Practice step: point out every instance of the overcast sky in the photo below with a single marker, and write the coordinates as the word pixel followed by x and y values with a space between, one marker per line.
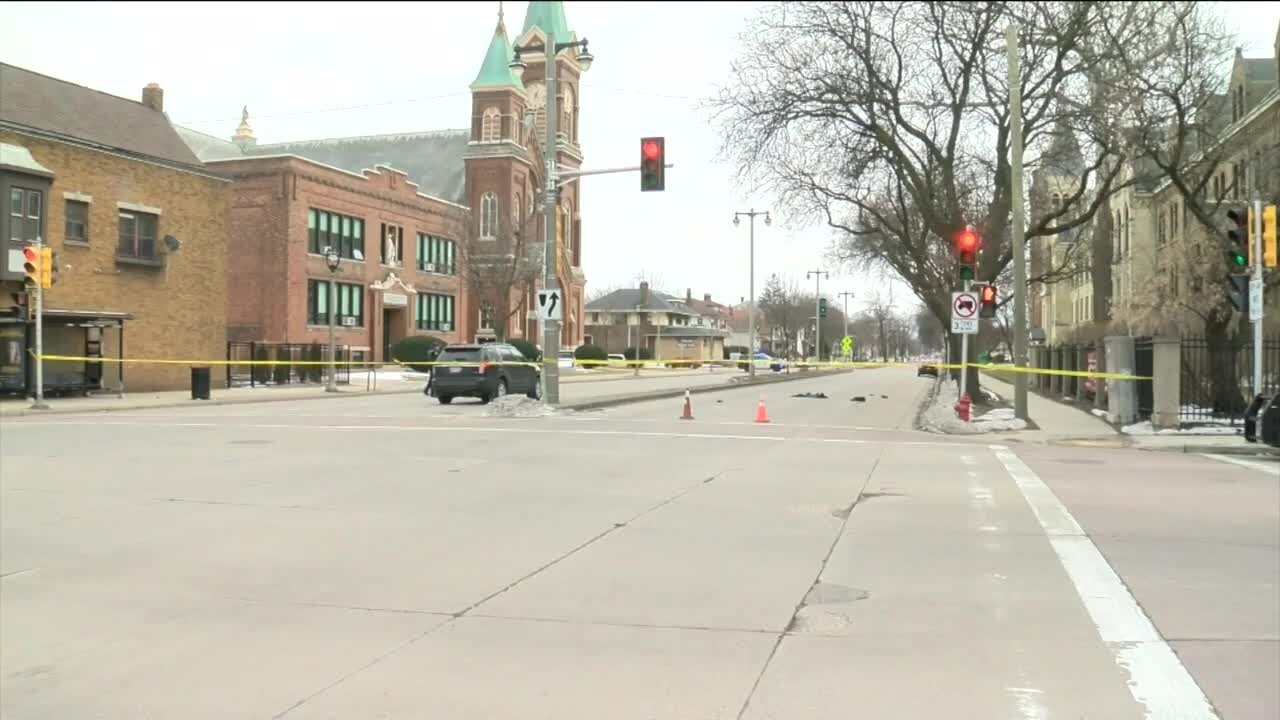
pixel 320 70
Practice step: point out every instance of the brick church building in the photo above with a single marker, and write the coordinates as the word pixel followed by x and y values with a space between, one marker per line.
pixel 426 224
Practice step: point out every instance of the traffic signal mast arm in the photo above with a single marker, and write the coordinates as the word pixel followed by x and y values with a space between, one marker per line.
pixel 567 176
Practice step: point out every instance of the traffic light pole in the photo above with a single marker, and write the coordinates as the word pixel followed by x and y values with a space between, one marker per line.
pixel 551 192
pixel 964 352
pixel 1018 237
pixel 38 298
pixel 1257 278
pixel 817 311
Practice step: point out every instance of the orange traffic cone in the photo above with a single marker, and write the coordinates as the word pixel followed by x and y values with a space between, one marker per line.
pixel 688 408
pixel 762 415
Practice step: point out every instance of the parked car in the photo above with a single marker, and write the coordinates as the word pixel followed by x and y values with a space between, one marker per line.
pixel 764 361
pixel 928 370
pixel 484 371
pixel 617 358
pixel 565 359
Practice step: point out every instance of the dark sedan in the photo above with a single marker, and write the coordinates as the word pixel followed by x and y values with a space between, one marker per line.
pixel 482 371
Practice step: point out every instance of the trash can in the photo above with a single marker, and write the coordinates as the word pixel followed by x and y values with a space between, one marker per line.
pixel 200 383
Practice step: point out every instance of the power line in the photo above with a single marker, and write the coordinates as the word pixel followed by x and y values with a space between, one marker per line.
pixel 390 103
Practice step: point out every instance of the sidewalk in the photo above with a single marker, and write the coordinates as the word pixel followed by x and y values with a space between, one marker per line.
pixel 387 384
pixel 1055 420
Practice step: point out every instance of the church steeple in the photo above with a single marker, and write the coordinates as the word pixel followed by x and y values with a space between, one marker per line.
pixel 495 71
pixel 547 15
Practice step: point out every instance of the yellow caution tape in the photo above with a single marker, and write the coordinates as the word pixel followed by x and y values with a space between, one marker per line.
pixel 621 364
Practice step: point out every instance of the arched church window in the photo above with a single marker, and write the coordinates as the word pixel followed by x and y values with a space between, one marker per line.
pixel 489 216
pixel 491 125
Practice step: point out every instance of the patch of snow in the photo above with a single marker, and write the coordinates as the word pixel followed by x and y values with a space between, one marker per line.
pixel 1099 413
pixel 1146 428
pixel 941 416
pixel 517 406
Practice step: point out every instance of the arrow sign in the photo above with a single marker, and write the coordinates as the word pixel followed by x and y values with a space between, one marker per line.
pixel 549 305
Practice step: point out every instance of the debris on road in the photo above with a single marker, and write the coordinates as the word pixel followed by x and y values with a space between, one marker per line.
pixel 816 396
pixel 858 398
pixel 518 406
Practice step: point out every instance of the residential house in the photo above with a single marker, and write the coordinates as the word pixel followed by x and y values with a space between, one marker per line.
pixel 669 327
pixel 138 226
pixel 412 185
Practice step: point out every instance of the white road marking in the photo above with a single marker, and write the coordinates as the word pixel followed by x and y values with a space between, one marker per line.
pixel 1272 468
pixel 1157 678
pixel 484 429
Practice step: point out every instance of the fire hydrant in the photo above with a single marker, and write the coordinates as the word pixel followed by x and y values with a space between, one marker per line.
pixel 962 407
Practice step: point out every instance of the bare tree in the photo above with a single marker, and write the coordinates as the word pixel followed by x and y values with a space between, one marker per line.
pixel 500 268
pixel 890 122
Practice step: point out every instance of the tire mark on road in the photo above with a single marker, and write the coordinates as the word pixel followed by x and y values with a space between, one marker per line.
pixel 844 524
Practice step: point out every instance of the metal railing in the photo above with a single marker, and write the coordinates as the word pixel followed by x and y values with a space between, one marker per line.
pixel 283 363
pixel 1216 379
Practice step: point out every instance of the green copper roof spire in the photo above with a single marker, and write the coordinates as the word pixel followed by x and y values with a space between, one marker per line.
pixel 547 15
pixel 495 71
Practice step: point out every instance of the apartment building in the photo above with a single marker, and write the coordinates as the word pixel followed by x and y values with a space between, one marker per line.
pixel 138 226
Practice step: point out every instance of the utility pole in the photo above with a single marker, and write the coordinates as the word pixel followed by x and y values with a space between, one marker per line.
pixel 1018 237
pixel 751 285
pixel 817 303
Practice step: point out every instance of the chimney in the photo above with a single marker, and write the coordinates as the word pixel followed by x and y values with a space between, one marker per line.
pixel 153 97
pixel 706 297
pixel 644 293
pixel 688 294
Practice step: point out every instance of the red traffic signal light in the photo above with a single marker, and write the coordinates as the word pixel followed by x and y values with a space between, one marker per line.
pixel 652 164
pixel 967 242
pixel 31 264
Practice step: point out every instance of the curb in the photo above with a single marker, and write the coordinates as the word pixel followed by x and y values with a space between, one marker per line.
pixel 1242 450
pixel 321 395
pixel 676 393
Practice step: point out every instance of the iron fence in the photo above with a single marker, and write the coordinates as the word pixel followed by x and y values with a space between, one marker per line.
pixel 284 371
pixel 1217 378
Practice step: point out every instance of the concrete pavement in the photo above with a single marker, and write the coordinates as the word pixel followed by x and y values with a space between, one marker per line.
pixel 390 557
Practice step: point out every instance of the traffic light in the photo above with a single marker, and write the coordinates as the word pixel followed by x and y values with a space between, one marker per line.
pixel 31 260
pixel 653 161
pixel 1240 238
pixel 987 304
pixel 46 267
pixel 822 307
pixel 1269 236
pixel 967 244
pixel 1240 293
pixel 18 304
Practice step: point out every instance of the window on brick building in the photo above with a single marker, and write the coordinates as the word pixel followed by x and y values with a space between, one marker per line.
pixel 435 312
pixel 344 234
pixel 137 235
pixel 391 245
pixel 26 210
pixel 435 255
pixel 491 125
pixel 349 304
pixel 489 216
pixel 77 221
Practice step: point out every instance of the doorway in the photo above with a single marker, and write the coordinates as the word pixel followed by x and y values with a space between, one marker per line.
pixel 392 330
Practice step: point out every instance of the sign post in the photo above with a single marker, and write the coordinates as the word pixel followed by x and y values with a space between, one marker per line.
pixel 1256 294
pixel 964 320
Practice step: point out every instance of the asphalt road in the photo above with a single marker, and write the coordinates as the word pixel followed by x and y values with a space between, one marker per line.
pixel 387 557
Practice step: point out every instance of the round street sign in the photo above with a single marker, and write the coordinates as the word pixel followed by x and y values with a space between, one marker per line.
pixel 964 305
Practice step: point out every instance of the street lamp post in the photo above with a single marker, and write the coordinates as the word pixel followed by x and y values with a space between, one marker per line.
pixel 551 192
pixel 751 284
pixel 846 296
pixel 332 260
